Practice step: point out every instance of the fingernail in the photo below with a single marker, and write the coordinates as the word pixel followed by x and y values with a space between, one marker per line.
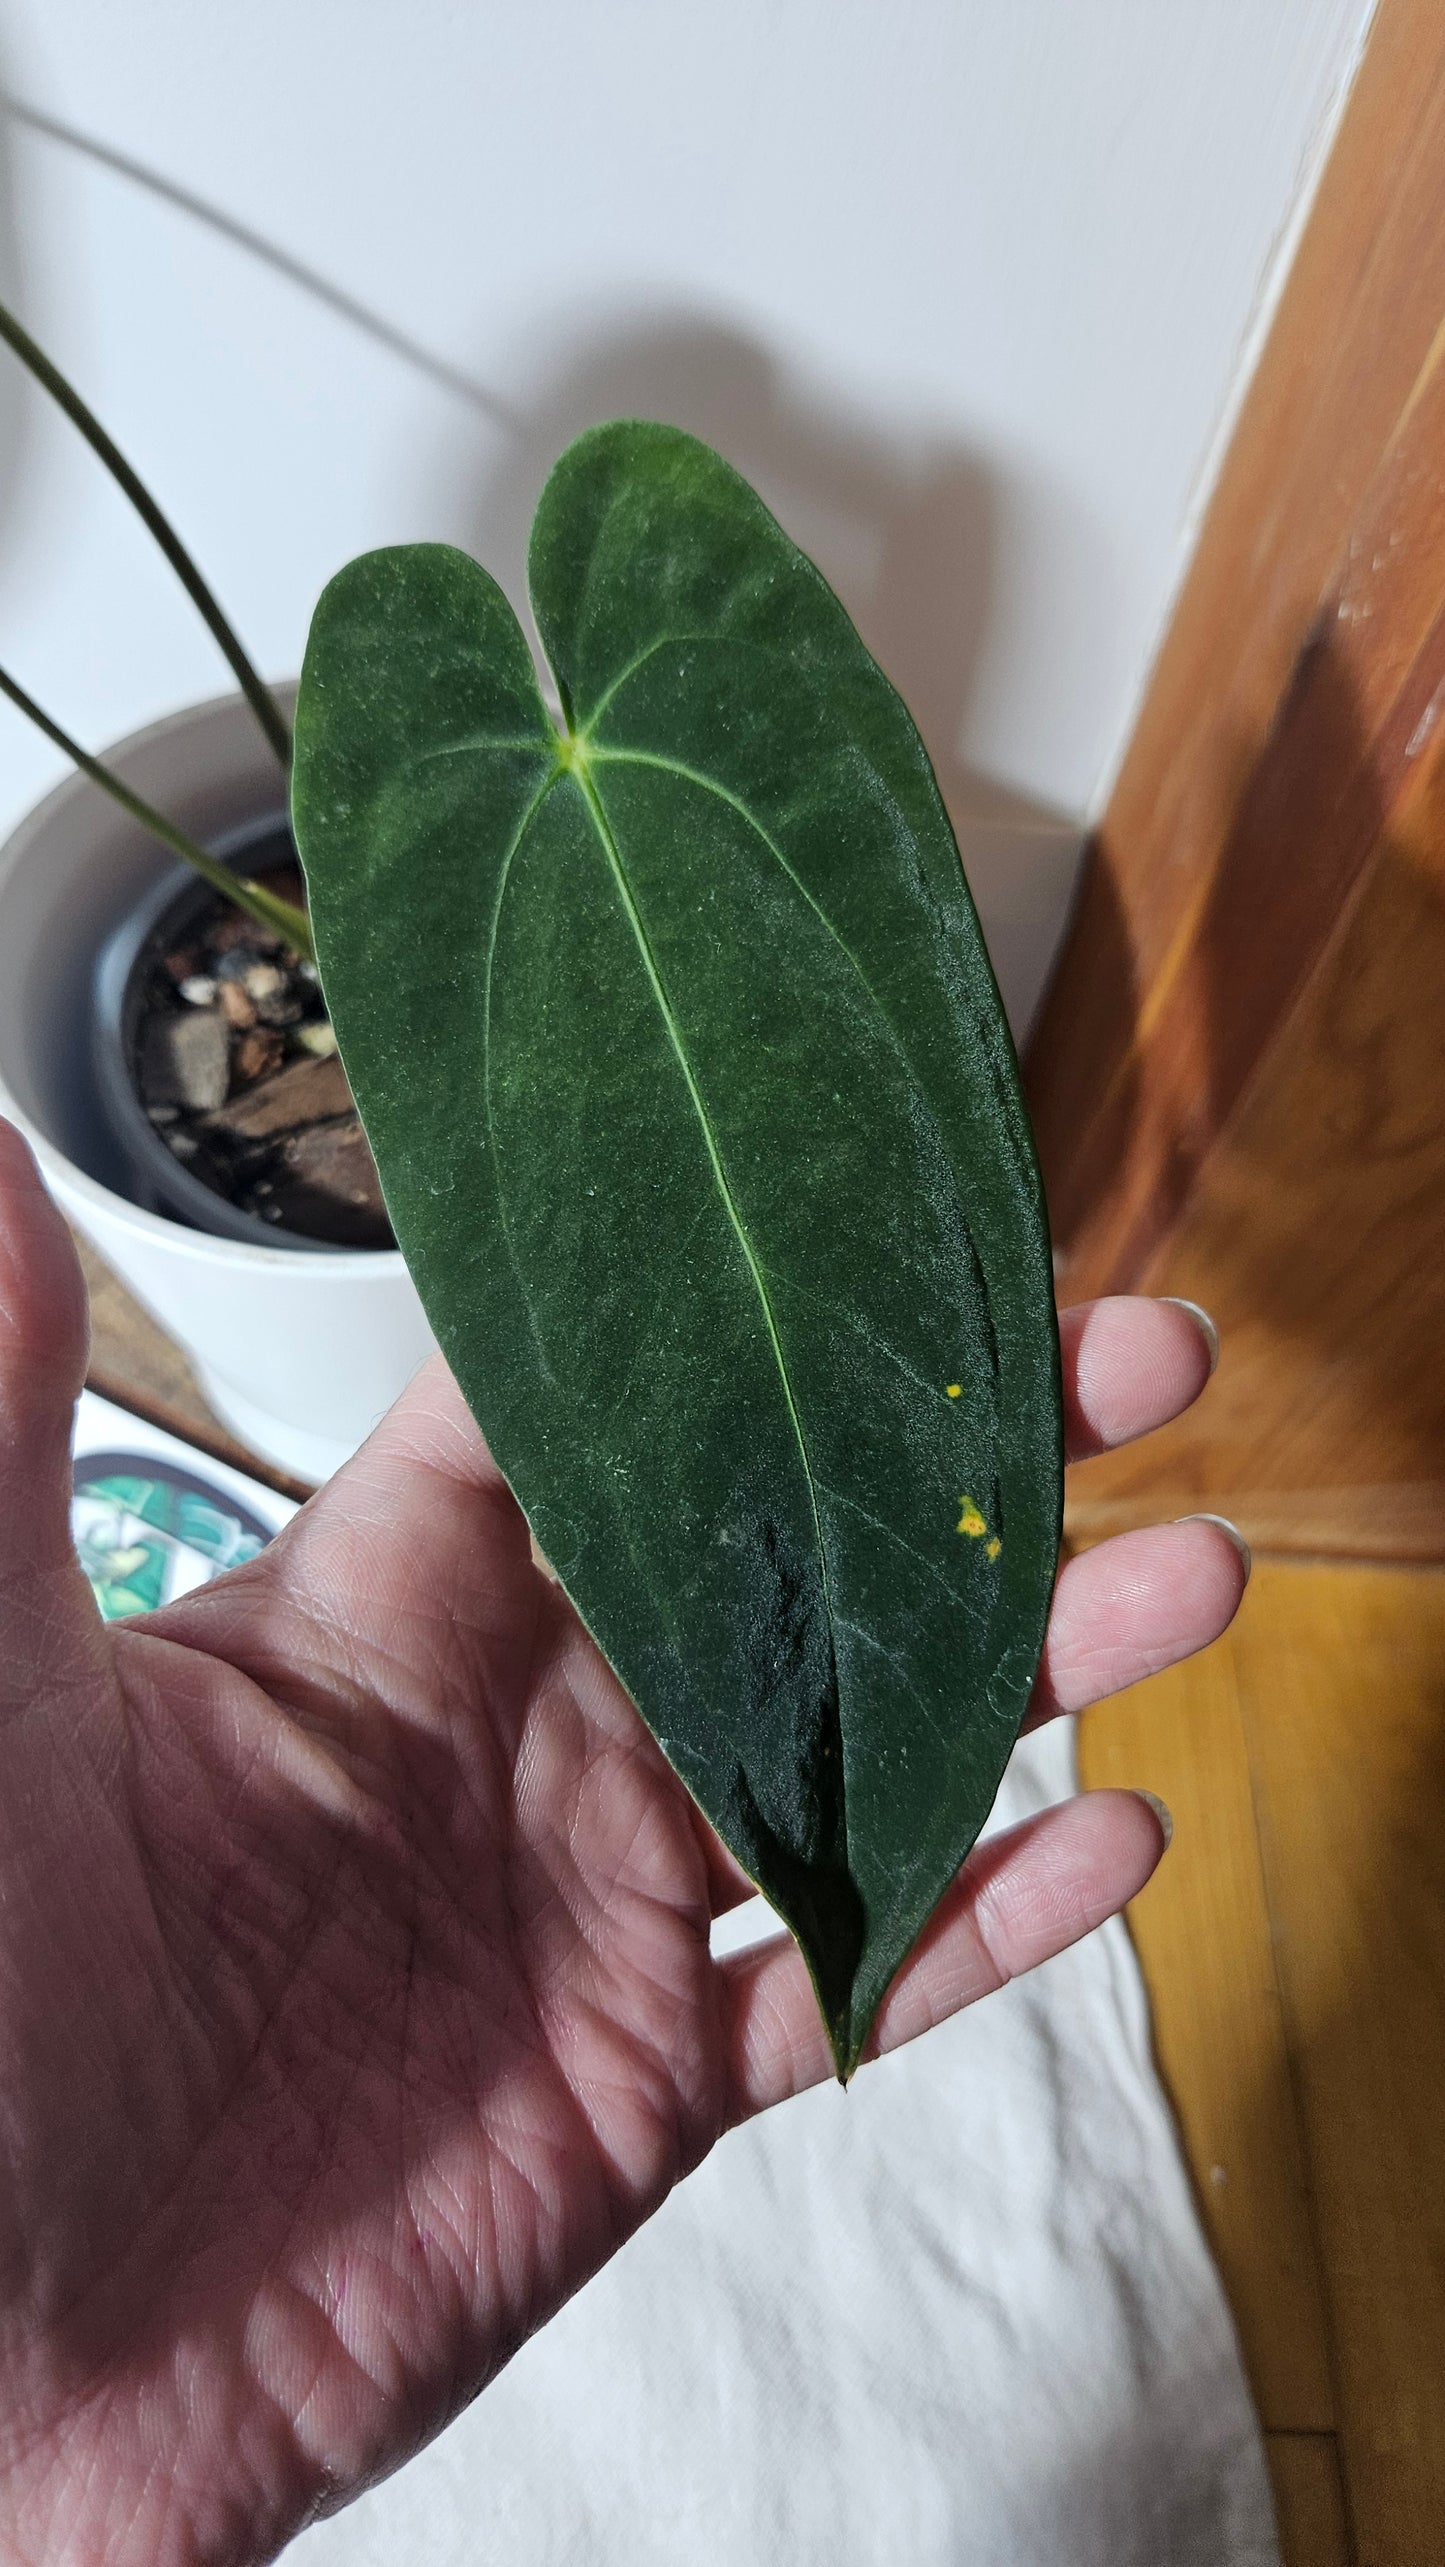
pixel 1233 1531
pixel 1161 1812
pixel 1202 1321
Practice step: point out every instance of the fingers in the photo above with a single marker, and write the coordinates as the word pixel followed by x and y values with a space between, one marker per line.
pixel 1136 1604
pixel 1129 1365
pixel 430 1427
pixel 1019 1899
pixel 728 1885
pixel 1121 1612
pixel 43 1345
pixel 1148 1599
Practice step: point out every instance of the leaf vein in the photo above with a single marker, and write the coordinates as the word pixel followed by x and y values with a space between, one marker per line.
pixel 723 793
pixel 618 682
pixel 891 1658
pixel 541 741
pixel 876 1521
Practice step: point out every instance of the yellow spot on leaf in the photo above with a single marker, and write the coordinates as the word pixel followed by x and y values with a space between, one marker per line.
pixel 993 1549
pixel 955 1390
pixel 971 1522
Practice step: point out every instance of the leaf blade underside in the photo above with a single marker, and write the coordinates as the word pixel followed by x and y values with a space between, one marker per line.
pixel 723 1203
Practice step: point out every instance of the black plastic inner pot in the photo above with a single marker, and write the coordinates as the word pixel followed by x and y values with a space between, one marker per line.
pixel 174 906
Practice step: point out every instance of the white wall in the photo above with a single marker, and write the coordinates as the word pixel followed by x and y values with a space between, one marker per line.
pixel 964 285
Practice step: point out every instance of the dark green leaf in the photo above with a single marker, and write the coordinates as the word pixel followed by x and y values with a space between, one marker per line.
pixel 700 1127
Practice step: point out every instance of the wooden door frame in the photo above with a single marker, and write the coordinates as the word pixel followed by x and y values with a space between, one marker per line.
pixel 1287 733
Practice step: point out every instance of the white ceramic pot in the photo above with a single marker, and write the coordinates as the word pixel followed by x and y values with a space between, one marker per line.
pixel 299 1352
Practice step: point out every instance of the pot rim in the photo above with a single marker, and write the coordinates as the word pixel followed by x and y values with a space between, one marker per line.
pixel 198 1246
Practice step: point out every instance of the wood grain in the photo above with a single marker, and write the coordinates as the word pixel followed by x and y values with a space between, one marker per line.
pixel 1237 1079
pixel 1316 1237
pixel 1240 676
pixel 1293 1942
pixel 1307 817
pixel 1309 2499
pixel 1203 1933
pixel 1344 1713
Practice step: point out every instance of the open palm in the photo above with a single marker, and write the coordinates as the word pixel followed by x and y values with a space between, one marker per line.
pixel 355 1989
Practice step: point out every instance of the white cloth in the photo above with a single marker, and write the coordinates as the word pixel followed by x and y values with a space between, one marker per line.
pixel 961 2316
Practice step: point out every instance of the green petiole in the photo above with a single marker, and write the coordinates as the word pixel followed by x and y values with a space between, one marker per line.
pixel 253 686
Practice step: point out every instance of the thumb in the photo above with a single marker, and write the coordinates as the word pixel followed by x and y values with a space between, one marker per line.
pixel 43 1345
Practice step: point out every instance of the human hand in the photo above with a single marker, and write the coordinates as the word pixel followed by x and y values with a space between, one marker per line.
pixel 355 1991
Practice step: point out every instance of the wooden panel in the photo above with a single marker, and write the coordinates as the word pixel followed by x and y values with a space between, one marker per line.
pixel 1308 816
pixel 1309 2499
pixel 1236 1082
pixel 1297 666
pixel 1316 1236
pixel 1344 1715
pixel 1203 1936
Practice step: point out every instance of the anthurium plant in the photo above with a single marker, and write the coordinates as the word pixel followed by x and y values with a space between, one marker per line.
pixel 676 1041
pixel 700 1127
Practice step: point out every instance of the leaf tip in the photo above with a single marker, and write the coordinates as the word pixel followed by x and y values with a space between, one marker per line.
pixel 846 2044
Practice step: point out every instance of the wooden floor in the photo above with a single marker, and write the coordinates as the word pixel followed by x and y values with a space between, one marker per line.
pixel 1294 1945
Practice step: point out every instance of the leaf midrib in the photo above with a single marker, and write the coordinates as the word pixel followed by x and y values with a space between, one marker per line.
pixel 592 800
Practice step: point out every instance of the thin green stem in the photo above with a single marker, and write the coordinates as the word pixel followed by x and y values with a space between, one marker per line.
pixel 258 695
pixel 258 903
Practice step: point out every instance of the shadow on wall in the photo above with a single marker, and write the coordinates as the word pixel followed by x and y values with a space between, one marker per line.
pixel 269 253
pixel 903 526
